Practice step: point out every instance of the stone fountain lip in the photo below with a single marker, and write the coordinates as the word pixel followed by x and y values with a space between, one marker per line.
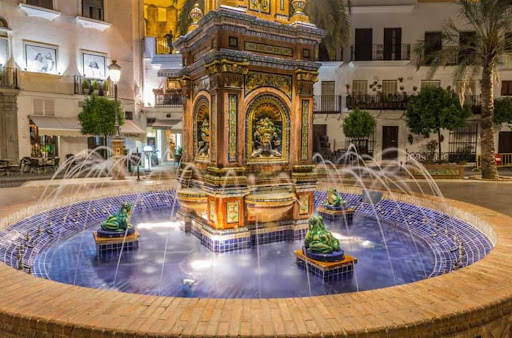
pixel 457 304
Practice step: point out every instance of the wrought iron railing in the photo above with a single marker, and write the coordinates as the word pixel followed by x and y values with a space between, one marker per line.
pixel 378 101
pixel 162 46
pixel 328 104
pixel 9 77
pixel 473 101
pixel 168 100
pixel 381 52
pixel 85 86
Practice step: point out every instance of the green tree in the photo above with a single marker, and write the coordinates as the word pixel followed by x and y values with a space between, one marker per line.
pixel 503 111
pixel 331 15
pixel 97 116
pixel 359 125
pixel 476 55
pixel 434 109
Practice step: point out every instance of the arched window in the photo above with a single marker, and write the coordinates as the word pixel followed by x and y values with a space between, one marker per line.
pixel 3 23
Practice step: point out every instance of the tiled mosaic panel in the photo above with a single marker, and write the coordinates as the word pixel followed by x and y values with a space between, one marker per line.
pixel 440 231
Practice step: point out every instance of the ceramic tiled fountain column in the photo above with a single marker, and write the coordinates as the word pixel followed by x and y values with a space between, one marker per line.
pixel 247 84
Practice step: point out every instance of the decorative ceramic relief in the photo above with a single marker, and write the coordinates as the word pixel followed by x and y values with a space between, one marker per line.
pixel 305 130
pixel 267 131
pixel 255 80
pixel 233 212
pixel 233 127
pixel 202 129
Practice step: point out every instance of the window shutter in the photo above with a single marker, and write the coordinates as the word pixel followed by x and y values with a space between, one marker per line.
pixel 49 107
pixel 38 107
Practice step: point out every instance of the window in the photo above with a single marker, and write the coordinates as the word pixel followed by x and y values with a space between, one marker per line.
pixel 506 88
pixel 328 87
pixel 430 84
pixel 281 6
pixel 128 115
pixel 392 43
pixel 4 44
pixel 463 143
pixel 467 41
pixel 359 87
pixel 93 9
pixel 306 53
pixel 508 42
pixel 41 3
pixel 433 43
pixel 389 87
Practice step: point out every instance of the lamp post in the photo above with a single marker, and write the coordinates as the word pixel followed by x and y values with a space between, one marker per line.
pixel 114 72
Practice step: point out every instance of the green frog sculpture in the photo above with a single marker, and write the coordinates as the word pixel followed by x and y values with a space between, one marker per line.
pixel 334 200
pixel 120 221
pixel 320 244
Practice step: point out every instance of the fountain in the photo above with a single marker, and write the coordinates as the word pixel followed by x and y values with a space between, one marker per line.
pixel 248 111
pixel 257 223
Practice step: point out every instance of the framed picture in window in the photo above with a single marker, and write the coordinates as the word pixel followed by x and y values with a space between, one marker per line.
pixel 95 65
pixel 41 58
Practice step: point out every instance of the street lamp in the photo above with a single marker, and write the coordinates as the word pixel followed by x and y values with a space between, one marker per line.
pixel 114 72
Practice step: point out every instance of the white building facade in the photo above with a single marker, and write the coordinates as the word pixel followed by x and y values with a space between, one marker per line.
pixel 53 54
pixel 378 73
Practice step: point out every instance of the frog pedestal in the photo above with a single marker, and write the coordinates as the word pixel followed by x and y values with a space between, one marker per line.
pixel 112 243
pixel 322 255
pixel 327 270
pixel 336 213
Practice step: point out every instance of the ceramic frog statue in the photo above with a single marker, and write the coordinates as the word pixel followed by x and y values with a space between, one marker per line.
pixel 319 239
pixel 334 199
pixel 119 221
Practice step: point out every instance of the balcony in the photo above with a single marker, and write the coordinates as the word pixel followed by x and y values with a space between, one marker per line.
pixel 473 101
pixel 377 101
pixel 380 52
pixel 85 86
pixel 328 104
pixel 8 78
pixel 168 100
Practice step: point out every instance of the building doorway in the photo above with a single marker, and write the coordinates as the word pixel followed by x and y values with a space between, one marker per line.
pixel 320 140
pixel 364 44
pixel 390 143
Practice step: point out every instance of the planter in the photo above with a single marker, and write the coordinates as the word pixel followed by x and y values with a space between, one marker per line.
pixel 177 158
pixel 440 171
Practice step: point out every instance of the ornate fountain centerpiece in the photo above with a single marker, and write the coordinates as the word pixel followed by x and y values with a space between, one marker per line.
pixel 247 84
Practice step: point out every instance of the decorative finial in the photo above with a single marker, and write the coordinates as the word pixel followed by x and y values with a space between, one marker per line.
pixel 298 11
pixel 196 14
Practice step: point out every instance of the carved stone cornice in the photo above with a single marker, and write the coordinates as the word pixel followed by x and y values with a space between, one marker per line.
pixel 306 75
pixel 227 66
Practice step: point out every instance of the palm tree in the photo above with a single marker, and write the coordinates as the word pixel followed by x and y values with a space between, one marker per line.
pixel 476 55
pixel 334 17
pixel 330 15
